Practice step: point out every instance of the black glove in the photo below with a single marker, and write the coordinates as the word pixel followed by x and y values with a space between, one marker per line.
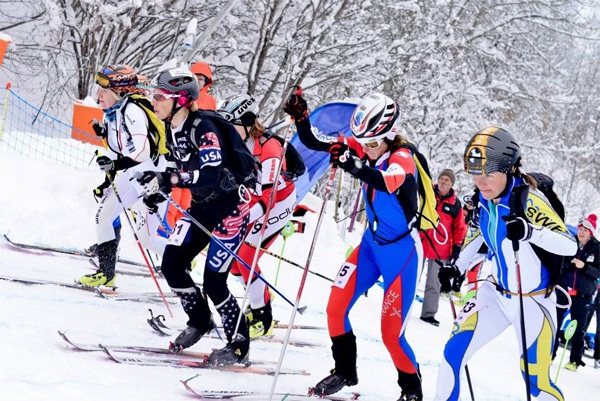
pixel 152 202
pixel 458 282
pixel 105 163
pixel 151 181
pixel 100 189
pixel 342 157
pixel 445 274
pixel 455 252
pixel 99 129
pixel 517 228
pixel 296 107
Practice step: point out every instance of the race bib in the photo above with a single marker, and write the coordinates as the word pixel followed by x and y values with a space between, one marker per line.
pixel 344 275
pixel 469 309
pixel 179 233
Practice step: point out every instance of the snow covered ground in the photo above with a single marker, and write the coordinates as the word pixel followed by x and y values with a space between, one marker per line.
pixel 46 203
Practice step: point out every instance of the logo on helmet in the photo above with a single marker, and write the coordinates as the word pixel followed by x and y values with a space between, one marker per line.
pixel 244 106
pixel 358 118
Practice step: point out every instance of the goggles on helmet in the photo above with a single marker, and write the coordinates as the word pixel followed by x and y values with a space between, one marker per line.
pixel 105 82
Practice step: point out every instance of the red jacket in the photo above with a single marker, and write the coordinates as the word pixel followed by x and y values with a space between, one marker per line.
pixel 452 222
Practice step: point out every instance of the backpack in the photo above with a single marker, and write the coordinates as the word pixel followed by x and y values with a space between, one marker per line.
pixel 554 263
pixel 156 127
pixel 241 163
pixel 427 215
pixel 294 163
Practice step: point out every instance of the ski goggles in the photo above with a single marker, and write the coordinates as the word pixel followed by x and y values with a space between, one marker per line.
pixel 371 144
pixel 161 97
pixel 105 82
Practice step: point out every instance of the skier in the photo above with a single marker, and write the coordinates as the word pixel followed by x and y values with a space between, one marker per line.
pixel 493 157
pixel 130 149
pixel 579 279
pixel 242 112
pixel 383 160
pixel 209 158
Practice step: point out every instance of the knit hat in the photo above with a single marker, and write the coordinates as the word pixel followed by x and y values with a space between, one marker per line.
pixel 448 173
pixel 591 223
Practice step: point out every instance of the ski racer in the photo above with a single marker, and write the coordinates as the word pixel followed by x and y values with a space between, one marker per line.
pixel 383 161
pixel 511 210
pixel 209 158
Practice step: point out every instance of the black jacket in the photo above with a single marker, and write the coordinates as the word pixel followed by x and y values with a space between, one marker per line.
pixel 583 280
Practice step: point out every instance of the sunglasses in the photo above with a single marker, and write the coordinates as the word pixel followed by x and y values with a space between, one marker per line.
pixel 161 97
pixel 372 144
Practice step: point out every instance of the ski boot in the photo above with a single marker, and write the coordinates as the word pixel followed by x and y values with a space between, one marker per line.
pixel 344 373
pixel 333 383
pixel 234 352
pixel 262 322
pixel 190 336
pixel 97 279
pixel 410 384
pixel 411 397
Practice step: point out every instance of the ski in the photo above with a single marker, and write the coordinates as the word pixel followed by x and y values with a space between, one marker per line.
pixel 177 361
pixel 101 291
pixel 155 322
pixel 128 348
pixel 257 396
pixel 68 251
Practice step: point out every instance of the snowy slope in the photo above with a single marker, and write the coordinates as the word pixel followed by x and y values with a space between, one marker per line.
pixel 46 203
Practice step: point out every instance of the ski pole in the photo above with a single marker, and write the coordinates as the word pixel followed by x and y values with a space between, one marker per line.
pixel 226 249
pixel 287 232
pixel 114 187
pixel 290 262
pixel 522 319
pixel 303 280
pixel 263 227
pixel 569 331
pixel 355 209
pixel 466 367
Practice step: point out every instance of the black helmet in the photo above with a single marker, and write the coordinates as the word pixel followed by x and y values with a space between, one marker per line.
pixel 492 149
pixel 179 81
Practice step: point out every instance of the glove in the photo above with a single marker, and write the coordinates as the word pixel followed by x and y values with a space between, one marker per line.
pixel 151 182
pixel 342 157
pixel 445 274
pixel 99 129
pixel 455 252
pixel 105 163
pixel 458 282
pixel 296 107
pixel 517 228
pixel 152 202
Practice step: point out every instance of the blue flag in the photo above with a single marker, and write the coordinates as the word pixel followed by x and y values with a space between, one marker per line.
pixel 328 120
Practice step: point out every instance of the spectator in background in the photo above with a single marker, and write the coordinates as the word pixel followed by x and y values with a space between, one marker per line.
pixel 579 279
pixel 442 247
pixel 597 337
pixel 203 73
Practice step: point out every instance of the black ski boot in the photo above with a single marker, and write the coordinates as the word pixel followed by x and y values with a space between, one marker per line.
pixel 233 352
pixel 190 336
pixel 344 373
pixel 410 383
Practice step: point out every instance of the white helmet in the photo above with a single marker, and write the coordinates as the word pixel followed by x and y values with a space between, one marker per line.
pixel 239 110
pixel 373 118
